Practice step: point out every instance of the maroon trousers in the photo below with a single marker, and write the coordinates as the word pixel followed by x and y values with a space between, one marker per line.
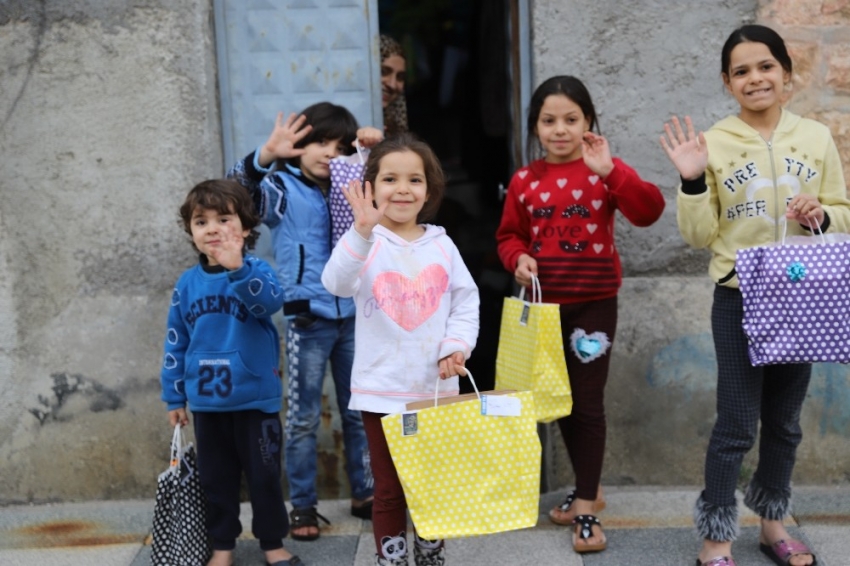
pixel 584 430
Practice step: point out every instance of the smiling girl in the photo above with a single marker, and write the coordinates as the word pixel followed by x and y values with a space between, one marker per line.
pixel 427 321
pixel 744 182
pixel 558 225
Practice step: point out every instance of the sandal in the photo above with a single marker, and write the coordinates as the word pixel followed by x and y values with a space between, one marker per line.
pixel 717 561
pixel 585 531
pixel 305 517
pixel 781 552
pixel 598 506
pixel 363 510
pixel 294 561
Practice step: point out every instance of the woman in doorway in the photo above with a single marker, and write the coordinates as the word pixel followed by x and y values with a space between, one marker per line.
pixel 393 69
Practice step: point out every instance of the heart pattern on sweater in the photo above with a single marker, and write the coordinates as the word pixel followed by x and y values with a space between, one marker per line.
pixel 409 302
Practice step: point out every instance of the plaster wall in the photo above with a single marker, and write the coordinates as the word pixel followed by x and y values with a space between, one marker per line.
pixel 109 114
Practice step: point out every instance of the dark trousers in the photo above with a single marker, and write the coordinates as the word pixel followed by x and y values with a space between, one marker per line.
pixel 389 509
pixel 746 394
pixel 584 430
pixel 230 444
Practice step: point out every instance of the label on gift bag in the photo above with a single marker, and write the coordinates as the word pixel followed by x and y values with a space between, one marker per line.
pixel 523 318
pixel 500 406
pixel 409 424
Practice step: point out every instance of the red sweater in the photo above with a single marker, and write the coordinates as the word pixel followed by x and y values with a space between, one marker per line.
pixel 562 215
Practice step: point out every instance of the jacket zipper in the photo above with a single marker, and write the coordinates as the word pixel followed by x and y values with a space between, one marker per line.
pixel 775 190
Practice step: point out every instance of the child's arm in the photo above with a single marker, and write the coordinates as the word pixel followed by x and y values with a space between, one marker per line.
pixel 830 207
pixel 268 191
pixel 256 285
pixel 172 374
pixel 463 322
pixel 514 233
pixel 640 201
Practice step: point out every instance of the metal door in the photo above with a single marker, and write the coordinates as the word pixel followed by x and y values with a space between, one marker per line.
pixel 283 55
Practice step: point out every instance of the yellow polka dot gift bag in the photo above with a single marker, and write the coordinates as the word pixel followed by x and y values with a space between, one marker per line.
pixel 468 465
pixel 531 354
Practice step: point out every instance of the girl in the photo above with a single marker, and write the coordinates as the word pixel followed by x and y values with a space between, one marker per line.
pixel 558 225
pixel 737 181
pixel 417 314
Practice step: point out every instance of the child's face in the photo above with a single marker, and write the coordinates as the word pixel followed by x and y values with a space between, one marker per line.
pixel 210 229
pixel 316 159
pixel 401 182
pixel 560 127
pixel 755 78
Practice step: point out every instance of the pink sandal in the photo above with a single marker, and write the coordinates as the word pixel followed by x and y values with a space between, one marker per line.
pixel 781 552
pixel 717 561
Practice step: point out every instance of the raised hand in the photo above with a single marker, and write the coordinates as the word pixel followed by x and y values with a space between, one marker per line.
pixel 689 153
pixel 228 252
pixel 807 210
pixel 596 154
pixel 282 140
pixel 366 216
pixel 368 136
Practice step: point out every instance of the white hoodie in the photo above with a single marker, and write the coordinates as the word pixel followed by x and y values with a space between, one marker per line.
pixel 416 304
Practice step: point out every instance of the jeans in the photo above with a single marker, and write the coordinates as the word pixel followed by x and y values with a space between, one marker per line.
pixel 310 343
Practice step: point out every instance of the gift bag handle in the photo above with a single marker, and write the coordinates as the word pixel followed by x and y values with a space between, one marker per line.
pixel 536 291
pixel 811 227
pixel 359 151
pixel 177 442
pixel 469 375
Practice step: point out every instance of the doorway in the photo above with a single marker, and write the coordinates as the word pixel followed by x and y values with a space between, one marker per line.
pixel 458 93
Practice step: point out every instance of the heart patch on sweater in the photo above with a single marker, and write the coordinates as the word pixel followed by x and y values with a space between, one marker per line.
pixel 410 302
pixel 588 347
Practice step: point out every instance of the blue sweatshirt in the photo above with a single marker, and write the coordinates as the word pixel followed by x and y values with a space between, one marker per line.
pixel 222 349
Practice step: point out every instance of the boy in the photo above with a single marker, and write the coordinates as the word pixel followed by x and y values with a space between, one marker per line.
pixel 221 357
pixel 288 178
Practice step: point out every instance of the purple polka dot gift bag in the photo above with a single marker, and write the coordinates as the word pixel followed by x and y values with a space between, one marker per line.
pixel 796 298
pixel 344 169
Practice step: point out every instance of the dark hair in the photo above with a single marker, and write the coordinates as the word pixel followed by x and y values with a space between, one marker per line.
pixel 329 122
pixel 755 34
pixel 225 197
pixel 564 85
pixel 435 179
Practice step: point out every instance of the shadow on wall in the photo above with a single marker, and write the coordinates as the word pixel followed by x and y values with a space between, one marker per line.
pixel 688 366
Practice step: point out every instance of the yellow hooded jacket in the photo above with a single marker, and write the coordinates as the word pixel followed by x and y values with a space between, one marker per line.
pixel 748 183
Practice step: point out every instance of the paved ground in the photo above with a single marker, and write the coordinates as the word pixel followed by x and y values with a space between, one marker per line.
pixel 645 525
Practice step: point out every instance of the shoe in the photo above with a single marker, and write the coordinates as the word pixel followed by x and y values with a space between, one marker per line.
pixel 364 510
pixel 294 561
pixel 717 561
pixel 584 531
pixel 305 517
pixel 598 506
pixel 381 561
pixel 429 557
pixel 782 551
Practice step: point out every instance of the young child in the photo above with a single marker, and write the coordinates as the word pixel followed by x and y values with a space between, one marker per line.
pixel 221 357
pixel 558 225
pixel 417 314
pixel 288 177
pixel 741 181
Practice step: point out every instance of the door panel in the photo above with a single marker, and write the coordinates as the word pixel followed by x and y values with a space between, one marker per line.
pixel 285 55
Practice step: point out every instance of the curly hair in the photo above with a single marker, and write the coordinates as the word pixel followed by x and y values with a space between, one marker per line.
pixel 225 197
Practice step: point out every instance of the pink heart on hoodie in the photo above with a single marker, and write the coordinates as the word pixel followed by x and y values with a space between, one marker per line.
pixel 410 302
